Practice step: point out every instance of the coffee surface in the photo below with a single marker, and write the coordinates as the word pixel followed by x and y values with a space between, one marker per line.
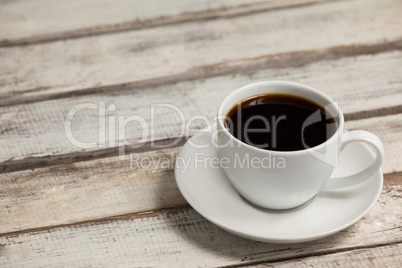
pixel 280 122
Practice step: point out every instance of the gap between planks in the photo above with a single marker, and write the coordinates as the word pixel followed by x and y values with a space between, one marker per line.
pixel 11 165
pixel 242 66
pixel 187 17
pixel 389 181
pixel 139 56
pixel 187 233
pixel 108 187
pixel 128 216
pixel 390 248
pixel 34 136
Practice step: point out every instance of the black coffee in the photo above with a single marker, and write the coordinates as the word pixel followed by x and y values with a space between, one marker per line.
pixel 280 122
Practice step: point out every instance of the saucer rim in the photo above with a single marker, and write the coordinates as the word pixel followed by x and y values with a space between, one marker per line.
pixel 297 239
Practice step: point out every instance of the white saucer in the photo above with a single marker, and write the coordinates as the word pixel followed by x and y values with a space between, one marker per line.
pixel 209 192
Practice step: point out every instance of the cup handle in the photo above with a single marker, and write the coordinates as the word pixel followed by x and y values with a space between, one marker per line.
pixel 359 177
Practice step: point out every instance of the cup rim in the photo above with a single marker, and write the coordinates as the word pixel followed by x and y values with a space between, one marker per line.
pixel 223 114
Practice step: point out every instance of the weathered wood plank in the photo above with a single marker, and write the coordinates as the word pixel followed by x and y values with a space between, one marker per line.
pixel 186 51
pixel 383 256
pixel 61 20
pixel 109 187
pixel 34 134
pixel 183 238
pixel 87 190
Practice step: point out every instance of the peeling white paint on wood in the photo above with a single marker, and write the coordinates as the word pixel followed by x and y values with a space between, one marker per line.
pixel 37 129
pixel 60 19
pixel 182 237
pixel 103 212
pixel 108 187
pixel 382 256
pixel 180 50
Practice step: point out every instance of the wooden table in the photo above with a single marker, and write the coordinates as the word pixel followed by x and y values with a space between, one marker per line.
pixel 98 62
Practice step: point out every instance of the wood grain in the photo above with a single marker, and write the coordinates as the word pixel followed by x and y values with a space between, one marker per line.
pixel 44 71
pixel 383 256
pixel 85 207
pixel 88 190
pixel 181 237
pixel 56 20
pixel 33 134
pixel 110 187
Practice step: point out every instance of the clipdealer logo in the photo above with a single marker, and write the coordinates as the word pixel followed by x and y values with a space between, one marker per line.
pixel 112 129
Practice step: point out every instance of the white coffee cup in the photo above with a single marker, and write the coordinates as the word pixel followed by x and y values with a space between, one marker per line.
pixel 300 175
